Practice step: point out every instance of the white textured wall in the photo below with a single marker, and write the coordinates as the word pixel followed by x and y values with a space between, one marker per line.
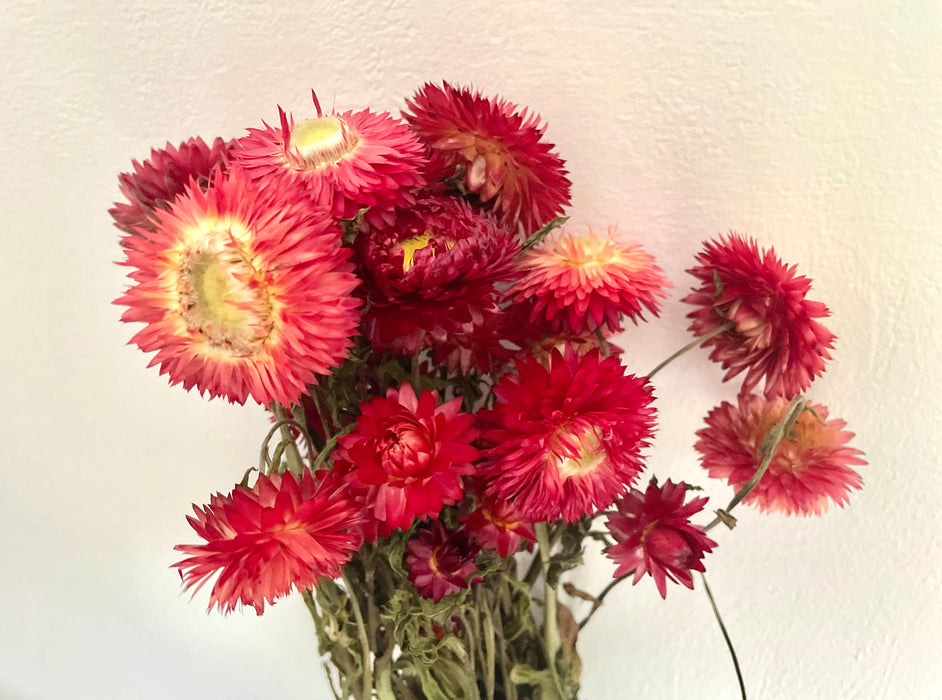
pixel 814 127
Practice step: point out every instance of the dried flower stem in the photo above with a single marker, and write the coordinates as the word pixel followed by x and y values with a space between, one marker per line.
pixel 550 631
pixel 729 643
pixel 364 639
pixel 293 455
pixel 690 346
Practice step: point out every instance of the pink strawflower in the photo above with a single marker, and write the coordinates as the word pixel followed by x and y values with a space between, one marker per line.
pixel 354 159
pixel 812 466
pixel 243 292
pixel 581 283
pixel 163 177
pixel 566 437
pixel 440 562
pixel 773 335
pixel 654 535
pixel 495 524
pixel 495 149
pixel 409 453
pixel 281 534
pixel 433 273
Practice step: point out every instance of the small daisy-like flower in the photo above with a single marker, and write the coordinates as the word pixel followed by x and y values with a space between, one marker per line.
pixel 772 333
pixel 264 541
pixel 581 283
pixel 355 159
pixel 440 561
pixel 163 177
pixel 243 292
pixel 495 524
pixel 654 535
pixel 566 438
pixel 812 465
pixel 498 149
pixel 432 273
pixel 410 453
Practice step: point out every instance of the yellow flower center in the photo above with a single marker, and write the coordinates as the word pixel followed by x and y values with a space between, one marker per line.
pixel 589 453
pixel 222 297
pixel 318 142
pixel 411 245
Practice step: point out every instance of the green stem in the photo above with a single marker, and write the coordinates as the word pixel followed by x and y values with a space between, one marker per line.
pixel 364 640
pixel 550 630
pixel 729 643
pixel 690 346
pixel 295 465
pixel 601 596
pixel 772 439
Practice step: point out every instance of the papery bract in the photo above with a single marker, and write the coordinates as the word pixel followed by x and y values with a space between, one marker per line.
pixel 440 562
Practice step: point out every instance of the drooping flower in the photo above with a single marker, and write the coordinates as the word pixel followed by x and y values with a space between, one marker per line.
pixel 812 465
pixel 495 524
pixel 440 561
pixel 654 535
pixel 409 453
pixel 497 149
pixel 355 159
pixel 244 292
pixel 566 439
pixel 281 534
pixel 581 283
pixel 772 334
pixel 434 272
pixel 163 177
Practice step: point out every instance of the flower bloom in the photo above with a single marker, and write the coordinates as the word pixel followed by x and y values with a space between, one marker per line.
pixel 355 159
pixel 495 524
pixel 811 466
pixel 163 177
pixel 579 284
pixel 440 562
pixel 282 533
pixel 654 535
pixel 243 292
pixel 773 333
pixel 409 453
pixel 497 150
pixel 566 438
pixel 432 275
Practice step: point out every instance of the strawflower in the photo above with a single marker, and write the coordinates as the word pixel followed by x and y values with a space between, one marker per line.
pixel 654 535
pixel 565 438
pixel 281 534
pixel 496 150
pixel 243 292
pixel 440 561
pixel 771 329
pixel 812 466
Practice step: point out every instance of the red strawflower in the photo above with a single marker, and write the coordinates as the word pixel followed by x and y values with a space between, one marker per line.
pixel 355 159
pixel 410 453
pixel 654 535
pixel 440 562
pixel 773 334
pixel 500 152
pixel 579 284
pixel 433 273
pixel 811 466
pixel 566 438
pixel 495 524
pixel 244 292
pixel 163 177
pixel 263 541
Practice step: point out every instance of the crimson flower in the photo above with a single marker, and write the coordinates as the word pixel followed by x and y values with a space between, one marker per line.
pixel 496 149
pixel 163 177
pixel 772 333
pixel 409 453
pixel 440 561
pixel 282 533
pixel 812 465
pixel 243 292
pixel 566 437
pixel 654 535
pixel 354 159
pixel 579 284
pixel 495 524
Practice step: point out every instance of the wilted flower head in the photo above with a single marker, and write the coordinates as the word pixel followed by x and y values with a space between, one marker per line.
pixel 281 534
pixel 566 437
pixel 440 561
pixel 772 333
pixel 495 524
pixel 654 535
pixel 812 465
pixel 496 149
pixel 243 292
pixel 409 453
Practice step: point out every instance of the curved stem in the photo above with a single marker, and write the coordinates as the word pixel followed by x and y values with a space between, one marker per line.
pixel 550 630
pixel 601 596
pixel 690 346
pixel 295 465
pixel 729 643
pixel 364 639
